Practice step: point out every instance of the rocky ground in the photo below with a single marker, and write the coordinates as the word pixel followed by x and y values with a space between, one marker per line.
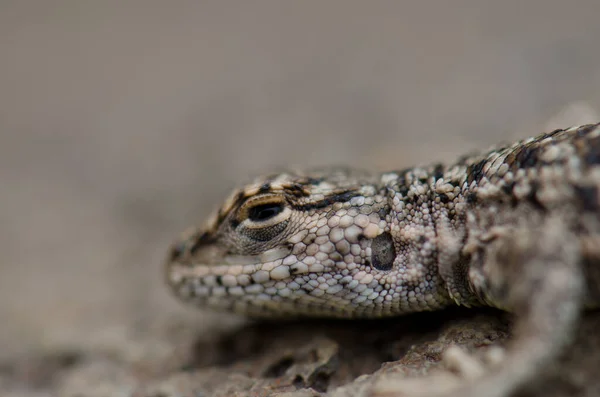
pixel 121 123
pixel 303 358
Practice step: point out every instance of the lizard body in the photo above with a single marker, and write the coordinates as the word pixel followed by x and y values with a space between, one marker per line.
pixel 346 243
pixel 516 227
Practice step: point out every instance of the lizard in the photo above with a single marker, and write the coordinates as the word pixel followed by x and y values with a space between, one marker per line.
pixel 515 227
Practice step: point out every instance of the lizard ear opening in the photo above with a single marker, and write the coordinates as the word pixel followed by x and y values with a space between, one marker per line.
pixel 383 252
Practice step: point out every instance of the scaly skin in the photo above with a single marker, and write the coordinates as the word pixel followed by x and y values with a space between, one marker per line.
pixel 516 227
pixel 352 244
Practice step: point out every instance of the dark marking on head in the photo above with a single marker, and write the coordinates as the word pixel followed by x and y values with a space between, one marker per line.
pixel 401 183
pixel 438 171
pixel 403 190
pixel 176 252
pixel 401 180
pixel 508 188
pixel 551 134
pixel 444 199
pixel 221 215
pixel 265 188
pixel 327 201
pixel 219 280
pixel 384 211
pixel 592 157
pixel 383 252
pixel 586 129
pixel 239 199
pixel 475 171
pixel 532 196
pixel 588 197
pixel 528 156
pixel 471 198
pixel 455 182
pixel 543 136
pixel 298 190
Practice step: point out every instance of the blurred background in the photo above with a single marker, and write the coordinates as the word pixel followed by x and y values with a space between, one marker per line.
pixel 122 123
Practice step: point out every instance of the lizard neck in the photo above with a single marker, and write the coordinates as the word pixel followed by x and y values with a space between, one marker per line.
pixel 428 224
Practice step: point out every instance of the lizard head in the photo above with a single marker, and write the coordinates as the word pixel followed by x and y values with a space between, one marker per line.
pixel 314 244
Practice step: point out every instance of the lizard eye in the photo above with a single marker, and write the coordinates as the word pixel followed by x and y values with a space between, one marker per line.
pixel 263 218
pixel 264 212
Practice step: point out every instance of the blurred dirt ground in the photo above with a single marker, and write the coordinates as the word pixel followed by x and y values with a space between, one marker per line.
pixel 121 123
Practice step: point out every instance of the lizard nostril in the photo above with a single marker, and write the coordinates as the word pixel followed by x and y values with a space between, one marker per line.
pixel 200 240
pixel 177 250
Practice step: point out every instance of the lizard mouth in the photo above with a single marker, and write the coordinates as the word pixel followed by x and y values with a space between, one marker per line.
pixel 255 285
pixel 213 272
pixel 213 262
